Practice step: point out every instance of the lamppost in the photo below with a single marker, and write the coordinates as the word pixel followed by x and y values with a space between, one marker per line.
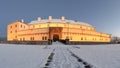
pixel 67 38
pixel 49 40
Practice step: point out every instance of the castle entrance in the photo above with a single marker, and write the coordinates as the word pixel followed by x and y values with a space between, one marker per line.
pixel 55 37
pixel 55 33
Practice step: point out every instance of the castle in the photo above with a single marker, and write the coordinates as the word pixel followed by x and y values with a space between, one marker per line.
pixel 55 30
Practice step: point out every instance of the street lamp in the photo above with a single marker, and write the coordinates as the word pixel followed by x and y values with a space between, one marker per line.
pixel 67 38
pixel 49 40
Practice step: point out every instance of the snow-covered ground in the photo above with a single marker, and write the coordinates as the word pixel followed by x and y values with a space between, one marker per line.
pixel 23 56
pixel 101 56
pixel 64 56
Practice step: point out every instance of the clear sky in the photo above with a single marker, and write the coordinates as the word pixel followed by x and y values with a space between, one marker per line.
pixel 102 14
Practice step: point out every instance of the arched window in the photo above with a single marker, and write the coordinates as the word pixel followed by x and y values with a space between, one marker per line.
pixel 43 38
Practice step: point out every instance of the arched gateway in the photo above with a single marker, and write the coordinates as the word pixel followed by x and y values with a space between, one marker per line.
pixel 55 37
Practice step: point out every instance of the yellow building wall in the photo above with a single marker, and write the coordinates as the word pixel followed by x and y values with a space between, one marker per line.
pixel 84 35
pixel 37 37
pixel 35 33
pixel 12 31
pixel 75 32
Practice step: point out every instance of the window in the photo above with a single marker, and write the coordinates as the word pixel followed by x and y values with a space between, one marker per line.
pixel 23 39
pixel 15 36
pixel 15 30
pixel 45 38
pixel 33 26
pixel 70 38
pixel 21 25
pixel 20 39
pixel 95 38
pixel 42 38
pixel 82 38
pixel 32 38
pixel 10 31
pixel 15 25
pixel 101 39
pixel 10 26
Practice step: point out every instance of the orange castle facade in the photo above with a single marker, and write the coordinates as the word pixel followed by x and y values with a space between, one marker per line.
pixel 55 29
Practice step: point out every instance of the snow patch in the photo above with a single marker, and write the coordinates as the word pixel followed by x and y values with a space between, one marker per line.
pixel 59 20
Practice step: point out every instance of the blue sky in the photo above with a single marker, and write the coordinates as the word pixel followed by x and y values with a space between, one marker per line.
pixel 104 15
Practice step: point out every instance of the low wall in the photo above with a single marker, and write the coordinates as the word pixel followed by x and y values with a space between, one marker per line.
pixel 83 43
pixel 87 43
pixel 50 43
pixel 26 42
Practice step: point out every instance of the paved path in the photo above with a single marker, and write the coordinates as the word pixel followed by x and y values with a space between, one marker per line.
pixel 64 58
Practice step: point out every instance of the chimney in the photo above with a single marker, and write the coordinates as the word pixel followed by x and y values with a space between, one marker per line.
pixel 39 19
pixel 22 20
pixel 50 18
pixel 62 18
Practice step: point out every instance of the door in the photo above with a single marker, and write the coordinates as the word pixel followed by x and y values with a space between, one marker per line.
pixel 55 37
